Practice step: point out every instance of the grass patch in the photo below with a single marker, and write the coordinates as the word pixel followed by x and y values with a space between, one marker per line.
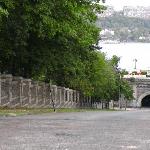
pixel 23 111
pixel 30 111
pixel 81 109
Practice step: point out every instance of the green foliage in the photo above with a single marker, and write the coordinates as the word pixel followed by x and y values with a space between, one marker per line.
pixel 126 90
pixel 36 30
pixel 121 85
pixel 3 12
pixel 52 40
pixel 124 72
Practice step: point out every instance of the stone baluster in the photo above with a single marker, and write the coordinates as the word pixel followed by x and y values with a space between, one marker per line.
pixel 29 91
pixel 54 93
pixel 20 79
pixel 44 94
pixel 0 90
pixel 90 101
pixel 70 93
pixel 36 93
pixel 75 96
pixel 63 94
pixel 78 97
pixel 50 94
pixel 68 96
pixel 47 94
pixel 59 94
pixel 9 86
pixel 21 90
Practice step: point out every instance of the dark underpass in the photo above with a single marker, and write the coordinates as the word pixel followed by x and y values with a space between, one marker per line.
pixel 146 101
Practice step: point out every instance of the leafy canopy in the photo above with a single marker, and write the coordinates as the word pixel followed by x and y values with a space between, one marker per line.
pixel 53 40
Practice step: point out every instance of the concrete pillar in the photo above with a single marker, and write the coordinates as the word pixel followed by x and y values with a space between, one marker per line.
pixel 90 101
pixel 75 96
pixel 111 104
pixel 47 94
pixel 64 94
pixel 20 80
pixel 36 93
pixel 54 93
pixel 71 95
pixel 59 94
pixel 29 91
pixel 9 86
pixel 50 94
pixel 0 90
pixel 44 94
pixel 21 90
pixel 67 94
pixel 83 101
pixel 87 101
pixel 78 97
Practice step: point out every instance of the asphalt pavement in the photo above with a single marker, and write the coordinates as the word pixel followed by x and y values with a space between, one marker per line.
pixel 114 130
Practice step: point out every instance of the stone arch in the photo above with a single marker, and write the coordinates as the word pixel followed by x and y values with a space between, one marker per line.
pixel 142 96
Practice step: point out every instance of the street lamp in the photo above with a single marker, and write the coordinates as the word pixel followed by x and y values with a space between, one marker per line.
pixel 135 61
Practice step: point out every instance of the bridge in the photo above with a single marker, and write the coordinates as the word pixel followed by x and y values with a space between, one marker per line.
pixel 141 90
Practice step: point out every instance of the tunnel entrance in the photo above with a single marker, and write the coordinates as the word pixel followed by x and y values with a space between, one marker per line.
pixel 146 101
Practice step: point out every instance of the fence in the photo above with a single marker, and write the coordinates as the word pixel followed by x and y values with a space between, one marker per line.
pixel 20 92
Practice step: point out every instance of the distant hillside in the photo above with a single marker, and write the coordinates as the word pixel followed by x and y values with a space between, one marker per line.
pixel 124 29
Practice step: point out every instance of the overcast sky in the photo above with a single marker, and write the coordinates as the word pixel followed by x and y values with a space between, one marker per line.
pixel 118 4
pixel 129 52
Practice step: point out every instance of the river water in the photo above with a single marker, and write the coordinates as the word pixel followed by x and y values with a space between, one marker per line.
pixel 128 52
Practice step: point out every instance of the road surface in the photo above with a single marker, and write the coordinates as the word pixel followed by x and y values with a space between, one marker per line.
pixel 77 131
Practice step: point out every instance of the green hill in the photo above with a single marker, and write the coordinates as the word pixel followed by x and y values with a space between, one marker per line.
pixel 125 29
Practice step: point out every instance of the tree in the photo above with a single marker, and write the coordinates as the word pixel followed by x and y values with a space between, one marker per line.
pixel 54 41
pixel 122 86
pixel 50 40
pixel 126 90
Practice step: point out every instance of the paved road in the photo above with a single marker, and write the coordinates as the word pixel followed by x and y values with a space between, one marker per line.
pixel 77 131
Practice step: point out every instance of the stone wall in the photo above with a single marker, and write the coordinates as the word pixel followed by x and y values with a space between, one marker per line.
pixel 20 92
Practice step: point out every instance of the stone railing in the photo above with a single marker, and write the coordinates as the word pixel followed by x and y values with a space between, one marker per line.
pixel 20 92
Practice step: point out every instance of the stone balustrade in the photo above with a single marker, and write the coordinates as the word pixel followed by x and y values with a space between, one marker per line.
pixel 20 92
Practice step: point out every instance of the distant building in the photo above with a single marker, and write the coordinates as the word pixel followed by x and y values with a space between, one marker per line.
pixel 139 75
pixel 134 76
pixel 128 11
pixel 137 12
pixel 108 12
pixel 107 31
pixel 147 72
